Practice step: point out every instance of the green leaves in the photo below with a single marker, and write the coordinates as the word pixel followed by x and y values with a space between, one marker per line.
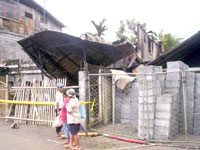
pixel 169 40
pixel 128 30
pixel 101 28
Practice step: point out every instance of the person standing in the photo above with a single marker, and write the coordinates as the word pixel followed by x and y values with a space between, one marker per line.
pixel 73 119
pixel 58 104
pixel 64 116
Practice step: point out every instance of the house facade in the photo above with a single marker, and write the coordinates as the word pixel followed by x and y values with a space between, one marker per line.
pixel 18 20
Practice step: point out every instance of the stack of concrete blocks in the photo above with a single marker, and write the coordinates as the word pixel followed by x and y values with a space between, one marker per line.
pixel 190 84
pixel 197 105
pixel 126 104
pixel 174 86
pixel 150 86
pixel 165 125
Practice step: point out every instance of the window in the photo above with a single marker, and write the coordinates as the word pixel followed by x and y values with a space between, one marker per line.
pixel 28 15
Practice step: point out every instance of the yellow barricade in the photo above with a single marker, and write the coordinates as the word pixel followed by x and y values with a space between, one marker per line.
pixel 40 103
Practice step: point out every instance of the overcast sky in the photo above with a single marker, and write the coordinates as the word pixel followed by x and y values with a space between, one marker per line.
pixel 178 17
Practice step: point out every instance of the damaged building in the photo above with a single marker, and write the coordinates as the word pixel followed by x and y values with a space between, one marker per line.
pixel 18 20
pixel 62 55
pixel 23 19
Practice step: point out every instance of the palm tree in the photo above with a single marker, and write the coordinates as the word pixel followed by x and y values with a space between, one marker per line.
pixel 101 28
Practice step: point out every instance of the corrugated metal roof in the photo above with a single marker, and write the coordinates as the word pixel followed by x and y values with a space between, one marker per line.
pixel 63 54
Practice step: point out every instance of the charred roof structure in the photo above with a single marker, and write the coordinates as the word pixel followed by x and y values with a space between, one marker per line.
pixel 62 55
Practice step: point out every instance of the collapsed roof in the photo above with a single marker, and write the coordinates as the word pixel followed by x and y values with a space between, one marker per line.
pixel 61 55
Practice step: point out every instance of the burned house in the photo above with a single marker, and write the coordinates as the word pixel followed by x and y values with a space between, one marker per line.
pixel 62 55
pixel 24 18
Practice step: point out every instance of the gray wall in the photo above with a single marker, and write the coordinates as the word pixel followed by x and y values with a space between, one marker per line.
pixel 126 104
pixel 9 48
pixel 12 31
pixel 164 95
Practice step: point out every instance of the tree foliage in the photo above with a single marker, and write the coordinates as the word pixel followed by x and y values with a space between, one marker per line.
pixel 128 30
pixel 169 40
pixel 100 27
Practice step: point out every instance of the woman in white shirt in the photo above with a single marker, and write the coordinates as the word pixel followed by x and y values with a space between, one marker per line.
pixel 73 118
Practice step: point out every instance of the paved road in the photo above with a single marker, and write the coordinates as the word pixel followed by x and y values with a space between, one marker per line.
pixel 27 138
pixel 30 137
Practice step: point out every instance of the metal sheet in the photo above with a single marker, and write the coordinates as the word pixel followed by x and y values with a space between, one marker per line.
pixel 63 54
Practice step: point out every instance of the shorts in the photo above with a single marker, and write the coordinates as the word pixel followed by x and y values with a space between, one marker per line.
pixel 74 128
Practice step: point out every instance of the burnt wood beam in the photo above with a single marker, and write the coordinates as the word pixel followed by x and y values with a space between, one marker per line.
pixel 80 51
pixel 59 67
pixel 47 52
pixel 68 57
pixel 34 59
pixel 40 59
pixel 92 60
pixel 61 59
pixel 56 64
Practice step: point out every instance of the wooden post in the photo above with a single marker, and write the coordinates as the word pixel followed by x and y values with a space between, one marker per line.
pixel 83 94
pixel 6 97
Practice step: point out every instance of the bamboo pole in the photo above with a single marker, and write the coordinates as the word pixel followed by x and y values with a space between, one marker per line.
pixel 48 107
pixel 6 94
pixel 35 102
pixel 33 120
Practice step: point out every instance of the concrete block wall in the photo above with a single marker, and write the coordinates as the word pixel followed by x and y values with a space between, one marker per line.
pixel 156 101
pixel 196 128
pixel 150 86
pixel 126 104
pixel 174 85
pixel 165 125
pixel 190 86
pixel 10 48
pixel 166 119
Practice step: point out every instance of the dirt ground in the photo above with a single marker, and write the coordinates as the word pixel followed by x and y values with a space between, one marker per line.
pixel 30 137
